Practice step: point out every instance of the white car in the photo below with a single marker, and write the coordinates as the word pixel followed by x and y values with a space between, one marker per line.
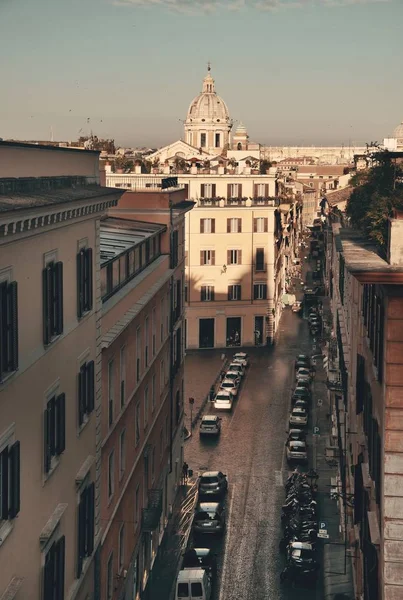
pixel 242 358
pixel 302 372
pixel 234 376
pixel 229 385
pixel 235 366
pixel 298 417
pixel 223 400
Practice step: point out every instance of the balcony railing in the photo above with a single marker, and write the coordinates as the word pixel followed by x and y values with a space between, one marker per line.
pixel 151 515
pixel 265 201
pixel 260 267
pixel 236 201
pixel 210 201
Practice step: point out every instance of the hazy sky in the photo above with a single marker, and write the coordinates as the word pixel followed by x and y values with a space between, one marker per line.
pixel 294 71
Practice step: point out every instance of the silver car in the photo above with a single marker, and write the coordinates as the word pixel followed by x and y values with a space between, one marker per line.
pixel 228 385
pixel 298 417
pixel 234 366
pixel 296 451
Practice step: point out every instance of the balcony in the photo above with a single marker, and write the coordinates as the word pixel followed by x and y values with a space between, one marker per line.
pixel 151 515
pixel 260 267
pixel 236 201
pixel 210 201
pixel 265 201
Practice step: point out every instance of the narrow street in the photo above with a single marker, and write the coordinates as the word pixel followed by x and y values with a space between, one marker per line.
pixel 251 452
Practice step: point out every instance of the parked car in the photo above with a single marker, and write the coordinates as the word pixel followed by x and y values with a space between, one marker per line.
pixel 304 382
pixel 302 393
pixel 193 584
pixel 212 484
pixel 234 376
pixel 236 366
pixel 304 372
pixel 242 357
pixel 204 558
pixel 299 417
pixel 223 400
pixel 296 435
pixel 299 402
pixel 296 451
pixel 302 360
pixel 209 518
pixel 210 425
pixel 229 385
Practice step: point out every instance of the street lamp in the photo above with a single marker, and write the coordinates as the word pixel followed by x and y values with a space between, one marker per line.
pixel 312 477
pixel 191 402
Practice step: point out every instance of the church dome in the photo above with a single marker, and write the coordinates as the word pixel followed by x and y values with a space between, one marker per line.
pixel 398 132
pixel 208 107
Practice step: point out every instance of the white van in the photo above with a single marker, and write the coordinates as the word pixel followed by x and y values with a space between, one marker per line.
pixel 193 584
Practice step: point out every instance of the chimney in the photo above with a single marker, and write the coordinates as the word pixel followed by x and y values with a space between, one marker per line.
pixel 395 239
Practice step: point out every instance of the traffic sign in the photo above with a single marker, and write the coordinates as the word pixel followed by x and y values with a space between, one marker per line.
pixel 323 535
pixel 322 525
pixel 316 431
pixel 322 530
pixel 320 402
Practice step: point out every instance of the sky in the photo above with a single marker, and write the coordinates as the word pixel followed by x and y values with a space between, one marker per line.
pixel 295 72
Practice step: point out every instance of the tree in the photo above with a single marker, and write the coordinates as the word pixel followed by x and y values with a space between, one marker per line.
pixel 376 193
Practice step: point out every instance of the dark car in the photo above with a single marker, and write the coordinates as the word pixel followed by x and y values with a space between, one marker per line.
pixel 299 402
pixel 194 558
pixel 209 518
pixel 303 358
pixel 303 382
pixel 303 393
pixel 296 435
pixel 213 484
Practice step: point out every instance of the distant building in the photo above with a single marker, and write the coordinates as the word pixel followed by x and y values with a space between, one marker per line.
pixel 395 142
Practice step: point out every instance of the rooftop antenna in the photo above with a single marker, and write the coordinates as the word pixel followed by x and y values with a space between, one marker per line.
pixel 209 66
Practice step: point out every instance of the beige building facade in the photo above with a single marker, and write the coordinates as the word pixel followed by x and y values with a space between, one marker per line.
pixel 51 204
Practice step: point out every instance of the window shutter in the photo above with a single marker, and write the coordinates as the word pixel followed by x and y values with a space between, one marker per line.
pixel 239 292
pixel 228 190
pixel 202 257
pixel 13 304
pixel 89 277
pixel 239 225
pixel 202 190
pixel 255 188
pixel 239 257
pixel 212 293
pixel 46 433
pixel 80 283
pixel 61 423
pixel 214 188
pixel 229 292
pixel 201 225
pixel 213 257
pixel 203 293
pixel 265 292
pixel 228 225
pixel 255 292
pixel 91 518
pixel 49 574
pixel 266 224
pixel 46 305
pixel 212 225
pixel 90 386
pixel 266 190
pixel 81 535
pixel 4 458
pixel 239 190
pixel 254 225
pixel 60 557
pixel 59 297
pixel 14 480
pixel 82 386
pixel 228 257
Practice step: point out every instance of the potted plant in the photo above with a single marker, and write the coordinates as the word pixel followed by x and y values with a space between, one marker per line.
pixel 255 167
pixel 156 164
pixel 206 166
pixel 180 164
pixel 264 167
pixel 232 164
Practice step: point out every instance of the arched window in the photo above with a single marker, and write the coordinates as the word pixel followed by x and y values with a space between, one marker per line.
pixel 239 146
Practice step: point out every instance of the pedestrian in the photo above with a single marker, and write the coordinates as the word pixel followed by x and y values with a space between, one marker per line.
pixel 185 471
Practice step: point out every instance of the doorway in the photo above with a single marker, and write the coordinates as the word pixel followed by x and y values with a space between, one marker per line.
pixel 258 331
pixel 206 333
pixel 233 331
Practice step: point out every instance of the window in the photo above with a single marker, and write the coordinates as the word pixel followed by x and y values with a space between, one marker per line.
pixel 145 406
pixel 109 578
pixel 234 257
pixel 153 336
pixel 186 294
pixel 196 589
pixel 207 225
pixel 52 279
pixel 86 391
pixel 207 293
pixel 111 390
pixel 122 453
pixel 53 576
pixel 234 292
pixel 138 353
pixel 161 442
pixel 174 249
pixel 137 507
pixel 10 481
pixel 162 316
pixel 85 525
pixel 153 393
pixel 122 376
pixel 111 474
pixel 146 340
pixel 234 225
pixel 260 291
pixel 208 190
pixel 121 548
pixel 54 429
pixel 260 225
pixel 167 432
pixel 153 465
pixel 259 259
pixel 8 328
pixel 217 140
pixel 137 424
pixel 261 190
pixel 207 257
pixel 203 140
pixel 162 375
pixel 84 281
pixel 234 190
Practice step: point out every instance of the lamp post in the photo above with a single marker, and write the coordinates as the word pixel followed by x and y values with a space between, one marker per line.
pixel 191 402
pixel 312 477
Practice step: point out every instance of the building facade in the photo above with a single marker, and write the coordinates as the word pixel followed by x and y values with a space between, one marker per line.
pixel 51 204
pixel 366 356
pixel 142 290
